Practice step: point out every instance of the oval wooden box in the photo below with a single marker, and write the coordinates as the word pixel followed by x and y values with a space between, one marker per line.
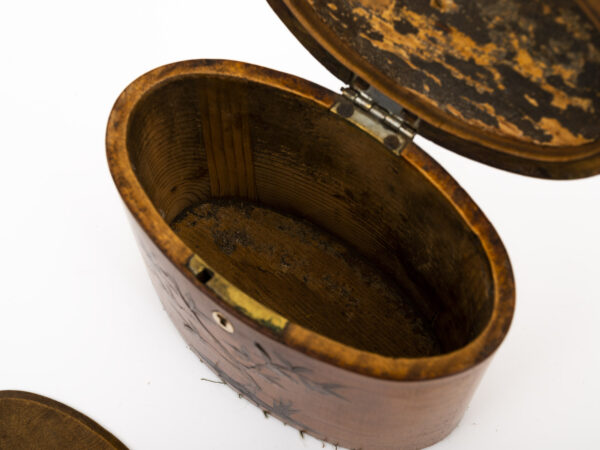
pixel 340 281
pixel 377 342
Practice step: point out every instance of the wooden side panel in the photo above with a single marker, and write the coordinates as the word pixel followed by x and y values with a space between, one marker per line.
pixel 332 404
pixel 528 70
pixel 227 140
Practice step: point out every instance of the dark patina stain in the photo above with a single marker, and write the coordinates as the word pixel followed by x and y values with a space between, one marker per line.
pixel 403 26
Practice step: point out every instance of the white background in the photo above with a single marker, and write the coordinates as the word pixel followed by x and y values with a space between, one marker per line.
pixel 80 322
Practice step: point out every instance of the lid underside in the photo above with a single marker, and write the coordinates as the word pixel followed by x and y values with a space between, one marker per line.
pixel 513 83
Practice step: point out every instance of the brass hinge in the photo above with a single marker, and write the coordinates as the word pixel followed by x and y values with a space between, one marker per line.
pixel 392 128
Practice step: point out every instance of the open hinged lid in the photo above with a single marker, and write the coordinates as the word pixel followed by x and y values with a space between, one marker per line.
pixel 511 83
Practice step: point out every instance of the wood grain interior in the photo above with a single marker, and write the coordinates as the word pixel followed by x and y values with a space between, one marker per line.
pixel 310 215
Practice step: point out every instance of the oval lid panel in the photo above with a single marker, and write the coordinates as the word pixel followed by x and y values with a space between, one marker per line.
pixel 512 83
pixel 31 421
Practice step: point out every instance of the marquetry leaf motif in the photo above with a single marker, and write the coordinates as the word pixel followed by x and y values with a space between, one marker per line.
pixel 248 367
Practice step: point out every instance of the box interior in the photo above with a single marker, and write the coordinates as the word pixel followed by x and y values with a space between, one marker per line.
pixel 310 216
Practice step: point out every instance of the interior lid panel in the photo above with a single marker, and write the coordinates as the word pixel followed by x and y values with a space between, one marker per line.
pixel 517 77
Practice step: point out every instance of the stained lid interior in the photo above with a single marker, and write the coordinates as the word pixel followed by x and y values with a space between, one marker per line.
pixel 512 83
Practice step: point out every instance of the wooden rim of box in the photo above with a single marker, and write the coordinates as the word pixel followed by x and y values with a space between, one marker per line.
pixel 291 334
